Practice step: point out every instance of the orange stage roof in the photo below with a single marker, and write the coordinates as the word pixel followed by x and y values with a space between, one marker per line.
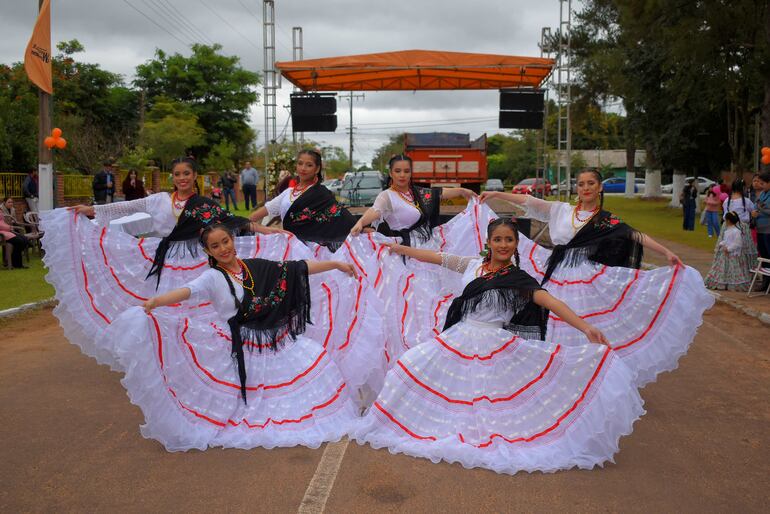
pixel 409 70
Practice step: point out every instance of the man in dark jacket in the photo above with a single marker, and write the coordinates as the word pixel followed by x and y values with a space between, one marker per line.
pixel 104 184
pixel 228 180
pixel 29 189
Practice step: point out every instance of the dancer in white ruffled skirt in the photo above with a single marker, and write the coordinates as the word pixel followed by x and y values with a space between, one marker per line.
pixel 243 377
pixel 650 317
pixel 481 395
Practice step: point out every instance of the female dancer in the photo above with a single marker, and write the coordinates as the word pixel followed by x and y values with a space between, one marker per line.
pixel 309 210
pixel 196 384
pixel 406 210
pixel 650 316
pixel 412 213
pixel 482 396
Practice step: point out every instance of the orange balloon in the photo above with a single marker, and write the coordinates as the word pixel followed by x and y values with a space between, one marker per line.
pixel 766 150
pixel 766 159
pixel 49 142
pixel 56 132
pixel 61 143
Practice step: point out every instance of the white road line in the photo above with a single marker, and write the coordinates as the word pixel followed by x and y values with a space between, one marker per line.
pixel 320 486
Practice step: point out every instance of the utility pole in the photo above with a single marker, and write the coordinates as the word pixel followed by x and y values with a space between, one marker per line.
pixel 350 99
pixel 44 154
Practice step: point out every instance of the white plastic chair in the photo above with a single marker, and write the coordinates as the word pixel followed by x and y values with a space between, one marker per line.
pixel 760 271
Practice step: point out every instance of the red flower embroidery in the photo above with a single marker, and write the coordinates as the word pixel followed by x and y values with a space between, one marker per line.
pixel 283 285
pixel 427 196
pixel 614 221
pixel 206 215
pixel 333 209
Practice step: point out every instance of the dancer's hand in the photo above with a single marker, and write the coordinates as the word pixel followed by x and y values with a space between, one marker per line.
pixel 467 193
pixel 88 210
pixel 595 335
pixel 396 248
pixel 673 259
pixel 149 305
pixel 348 269
pixel 488 195
pixel 357 228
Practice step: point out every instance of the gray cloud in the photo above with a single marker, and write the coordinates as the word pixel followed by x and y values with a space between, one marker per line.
pixel 118 38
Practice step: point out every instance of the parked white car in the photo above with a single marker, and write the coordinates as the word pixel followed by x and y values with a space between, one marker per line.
pixel 702 184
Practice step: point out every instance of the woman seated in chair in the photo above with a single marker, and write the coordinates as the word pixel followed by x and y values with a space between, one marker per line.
pixel 12 234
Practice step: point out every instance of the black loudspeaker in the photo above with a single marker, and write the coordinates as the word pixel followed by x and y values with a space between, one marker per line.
pixel 324 123
pixel 313 113
pixel 521 120
pixel 525 100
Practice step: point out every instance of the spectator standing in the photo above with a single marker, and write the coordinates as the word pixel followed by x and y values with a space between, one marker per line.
pixel 227 182
pixel 133 186
pixel 104 184
pixel 713 208
pixel 29 190
pixel 249 180
pixel 761 216
pixel 731 269
pixel 689 197
pixel 738 203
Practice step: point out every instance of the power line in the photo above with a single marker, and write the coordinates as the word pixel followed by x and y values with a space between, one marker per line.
pixel 164 17
pixel 202 35
pixel 132 6
pixel 229 25
pixel 384 123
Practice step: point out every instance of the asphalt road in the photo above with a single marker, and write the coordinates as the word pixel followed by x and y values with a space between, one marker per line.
pixel 71 442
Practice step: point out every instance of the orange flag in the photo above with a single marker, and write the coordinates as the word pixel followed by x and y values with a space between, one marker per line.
pixel 37 57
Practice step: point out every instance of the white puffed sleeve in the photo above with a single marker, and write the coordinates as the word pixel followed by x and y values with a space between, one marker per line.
pixel 383 206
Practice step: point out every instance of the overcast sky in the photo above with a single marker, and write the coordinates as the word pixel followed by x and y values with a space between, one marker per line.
pixel 119 34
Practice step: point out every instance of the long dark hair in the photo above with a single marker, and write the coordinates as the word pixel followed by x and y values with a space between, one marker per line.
pixel 733 218
pixel 507 222
pixel 204 238
pixel 317 158
pixel 737 187
pixel 599 178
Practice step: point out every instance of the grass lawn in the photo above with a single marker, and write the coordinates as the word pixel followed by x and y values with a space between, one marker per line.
pixel 656 219
pixel 20 286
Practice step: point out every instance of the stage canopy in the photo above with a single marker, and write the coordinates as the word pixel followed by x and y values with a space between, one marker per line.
pixel 410 70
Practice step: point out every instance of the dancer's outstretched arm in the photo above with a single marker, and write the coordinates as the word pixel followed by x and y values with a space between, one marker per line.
pixel 416 253
pixel 457 192
pixel 171 297
pixel 544 299
pixel 371 215
pixel 314 267
pixel 655 246
pixel 514 198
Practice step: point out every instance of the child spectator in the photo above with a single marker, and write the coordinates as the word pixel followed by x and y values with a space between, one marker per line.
pixel 713 209
pixel 731 269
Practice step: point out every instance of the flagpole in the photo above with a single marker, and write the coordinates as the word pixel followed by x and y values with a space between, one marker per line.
pixel 44 154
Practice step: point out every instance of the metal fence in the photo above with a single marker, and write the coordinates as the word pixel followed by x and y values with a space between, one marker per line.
pixel 78 186
pixel 11 184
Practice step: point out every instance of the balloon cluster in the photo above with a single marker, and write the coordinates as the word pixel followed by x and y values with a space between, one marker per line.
pixel 766 155
pixel 56 140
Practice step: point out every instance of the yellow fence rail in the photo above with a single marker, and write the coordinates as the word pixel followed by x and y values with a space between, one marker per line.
pixel 10 185
pixel 78 186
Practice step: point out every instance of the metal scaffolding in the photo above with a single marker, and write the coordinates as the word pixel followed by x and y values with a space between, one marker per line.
pixel 564 99
pixel 297 55
pixel 270 79
pixel 541 167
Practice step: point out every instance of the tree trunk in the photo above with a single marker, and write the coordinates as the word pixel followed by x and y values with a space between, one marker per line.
pixel 678 186
pixel 630 166
pixel 652 183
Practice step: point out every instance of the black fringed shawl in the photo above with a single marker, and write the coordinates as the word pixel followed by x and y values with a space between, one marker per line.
pixel 317 217
pixel 605 239
pixel 429 204
pixel 279 307
pixel 198 212
pixel 508 288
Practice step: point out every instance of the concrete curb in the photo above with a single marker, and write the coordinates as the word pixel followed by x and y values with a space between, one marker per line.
pixel 761 316
pixel 15 311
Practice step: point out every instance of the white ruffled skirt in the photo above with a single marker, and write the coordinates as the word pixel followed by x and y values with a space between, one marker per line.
pixel 650 317
pixel 98 273
pixel 179 371
pixel 478 395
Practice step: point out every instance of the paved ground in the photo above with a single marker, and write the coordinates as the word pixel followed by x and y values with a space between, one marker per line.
pixel 71 443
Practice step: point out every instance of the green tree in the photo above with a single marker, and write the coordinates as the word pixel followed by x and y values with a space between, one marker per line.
pixel 221 157
pixel 215 87
pixel 171 131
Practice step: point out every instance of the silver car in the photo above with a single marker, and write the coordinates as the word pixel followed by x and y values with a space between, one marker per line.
pixel 494 184
pixel 360 188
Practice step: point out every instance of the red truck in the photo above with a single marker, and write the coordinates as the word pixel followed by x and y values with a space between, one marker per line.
pixel 447 158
